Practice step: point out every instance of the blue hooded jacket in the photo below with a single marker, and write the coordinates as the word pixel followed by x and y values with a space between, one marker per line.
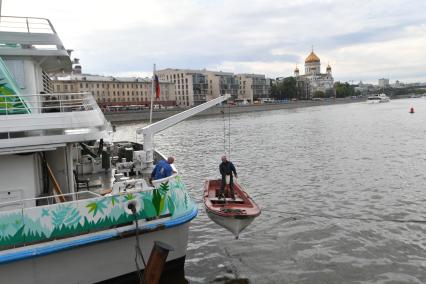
pixel 162 170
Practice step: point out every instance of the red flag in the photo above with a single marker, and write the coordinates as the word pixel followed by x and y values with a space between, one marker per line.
pixel 157 87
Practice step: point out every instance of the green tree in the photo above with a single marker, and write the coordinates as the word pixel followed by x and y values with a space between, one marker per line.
pixel 344 90
pixel 286 89
pixel 319 94
pixel 290 87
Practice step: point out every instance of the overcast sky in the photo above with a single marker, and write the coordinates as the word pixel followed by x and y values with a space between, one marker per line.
pixel 362 40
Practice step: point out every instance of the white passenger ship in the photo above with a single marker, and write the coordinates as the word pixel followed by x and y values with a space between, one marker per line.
pixel 379 98
pixel 65 192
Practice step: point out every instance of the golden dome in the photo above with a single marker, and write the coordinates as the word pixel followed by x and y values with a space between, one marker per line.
pixel 312 57
pixel 328 67
pixel 296 70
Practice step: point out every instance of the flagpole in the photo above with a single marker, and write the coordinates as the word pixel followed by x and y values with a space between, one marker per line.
pixel 152 95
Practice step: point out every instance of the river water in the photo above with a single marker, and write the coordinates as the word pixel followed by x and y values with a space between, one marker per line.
pixel 329 180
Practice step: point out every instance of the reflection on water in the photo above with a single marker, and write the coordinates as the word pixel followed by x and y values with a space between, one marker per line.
pixel 357 160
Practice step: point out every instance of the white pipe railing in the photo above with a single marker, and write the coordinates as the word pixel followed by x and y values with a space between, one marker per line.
pixel 51 199
pixel 58 102
pixel 26 25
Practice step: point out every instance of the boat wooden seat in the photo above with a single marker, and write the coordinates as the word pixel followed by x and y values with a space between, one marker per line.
pixel 226 200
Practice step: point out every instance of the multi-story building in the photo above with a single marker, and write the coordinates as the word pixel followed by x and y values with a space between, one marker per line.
pixel 191 86
pixel 253 87
pixel 120 91
pixel 313 80
pixel 384 83
pixel 194 87
pixel 221 83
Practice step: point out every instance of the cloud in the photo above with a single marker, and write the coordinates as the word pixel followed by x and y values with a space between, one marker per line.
pixel 364 39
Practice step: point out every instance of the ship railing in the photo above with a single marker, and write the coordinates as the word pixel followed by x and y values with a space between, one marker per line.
pixel 48 200
pixel 45 103
pixel 26 25
pixel 158 182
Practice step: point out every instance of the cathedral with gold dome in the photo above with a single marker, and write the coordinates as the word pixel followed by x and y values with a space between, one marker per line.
pixel 313 82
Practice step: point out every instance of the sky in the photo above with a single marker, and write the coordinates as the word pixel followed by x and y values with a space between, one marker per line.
pixel 361 40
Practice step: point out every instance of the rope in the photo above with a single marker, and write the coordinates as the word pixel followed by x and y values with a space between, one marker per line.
pixel 138 251
pixel 326 216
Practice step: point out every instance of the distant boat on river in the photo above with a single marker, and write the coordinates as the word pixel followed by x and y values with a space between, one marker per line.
pixel 379 98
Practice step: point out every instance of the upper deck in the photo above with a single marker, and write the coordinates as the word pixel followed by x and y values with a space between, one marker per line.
pixel 59 119
pixel 36 37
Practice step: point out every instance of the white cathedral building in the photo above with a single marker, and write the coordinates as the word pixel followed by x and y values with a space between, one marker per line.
pixel 313 80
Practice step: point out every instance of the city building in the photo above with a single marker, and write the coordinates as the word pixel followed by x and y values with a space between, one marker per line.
pixel 365 89
pixel 191 86
pixel 194 87
pixel 313 81
pixel 398 85
pixel 253 87
pixel 116 91
pixel 384 83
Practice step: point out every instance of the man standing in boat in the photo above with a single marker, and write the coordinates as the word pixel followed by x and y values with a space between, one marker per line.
pixel 162 169
pixel 227 169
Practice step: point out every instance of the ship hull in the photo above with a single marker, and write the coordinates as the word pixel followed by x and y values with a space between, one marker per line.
pixel 95 262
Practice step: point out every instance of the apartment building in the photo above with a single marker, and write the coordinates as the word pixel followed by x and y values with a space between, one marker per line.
pixel 383 83
pixel 118 91
pixel 253 87
pixel 191 86
pixel 194 87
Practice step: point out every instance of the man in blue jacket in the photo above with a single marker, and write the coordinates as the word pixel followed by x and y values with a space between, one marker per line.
pixel 162 169
pixel 227 168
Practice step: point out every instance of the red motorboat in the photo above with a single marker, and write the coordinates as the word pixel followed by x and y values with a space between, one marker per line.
pixel 233 214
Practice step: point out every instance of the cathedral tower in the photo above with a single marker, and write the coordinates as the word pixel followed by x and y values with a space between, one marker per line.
pixel 312 64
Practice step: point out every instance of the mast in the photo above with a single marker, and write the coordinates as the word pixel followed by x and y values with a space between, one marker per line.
pixel 152 94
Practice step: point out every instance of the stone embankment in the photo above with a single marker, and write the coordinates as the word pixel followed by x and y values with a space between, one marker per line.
pixel 158 114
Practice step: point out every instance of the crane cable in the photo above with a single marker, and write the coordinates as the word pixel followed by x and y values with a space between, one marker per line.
pixel 224 130
pixel 228 153
pixel 229 131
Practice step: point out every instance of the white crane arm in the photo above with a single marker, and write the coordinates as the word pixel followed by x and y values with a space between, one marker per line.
pixel 149 131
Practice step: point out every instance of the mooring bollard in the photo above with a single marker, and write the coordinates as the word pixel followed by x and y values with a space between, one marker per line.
pixel 156 261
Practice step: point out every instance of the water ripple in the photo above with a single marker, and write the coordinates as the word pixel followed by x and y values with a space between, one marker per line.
pixel 356 161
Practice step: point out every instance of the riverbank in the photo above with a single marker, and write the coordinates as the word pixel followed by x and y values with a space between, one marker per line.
pixel 143 115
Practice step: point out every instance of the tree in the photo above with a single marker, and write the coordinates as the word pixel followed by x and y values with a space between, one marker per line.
pixel 290 87
pixel 319 94
pixel 344 90
pixel 286 89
